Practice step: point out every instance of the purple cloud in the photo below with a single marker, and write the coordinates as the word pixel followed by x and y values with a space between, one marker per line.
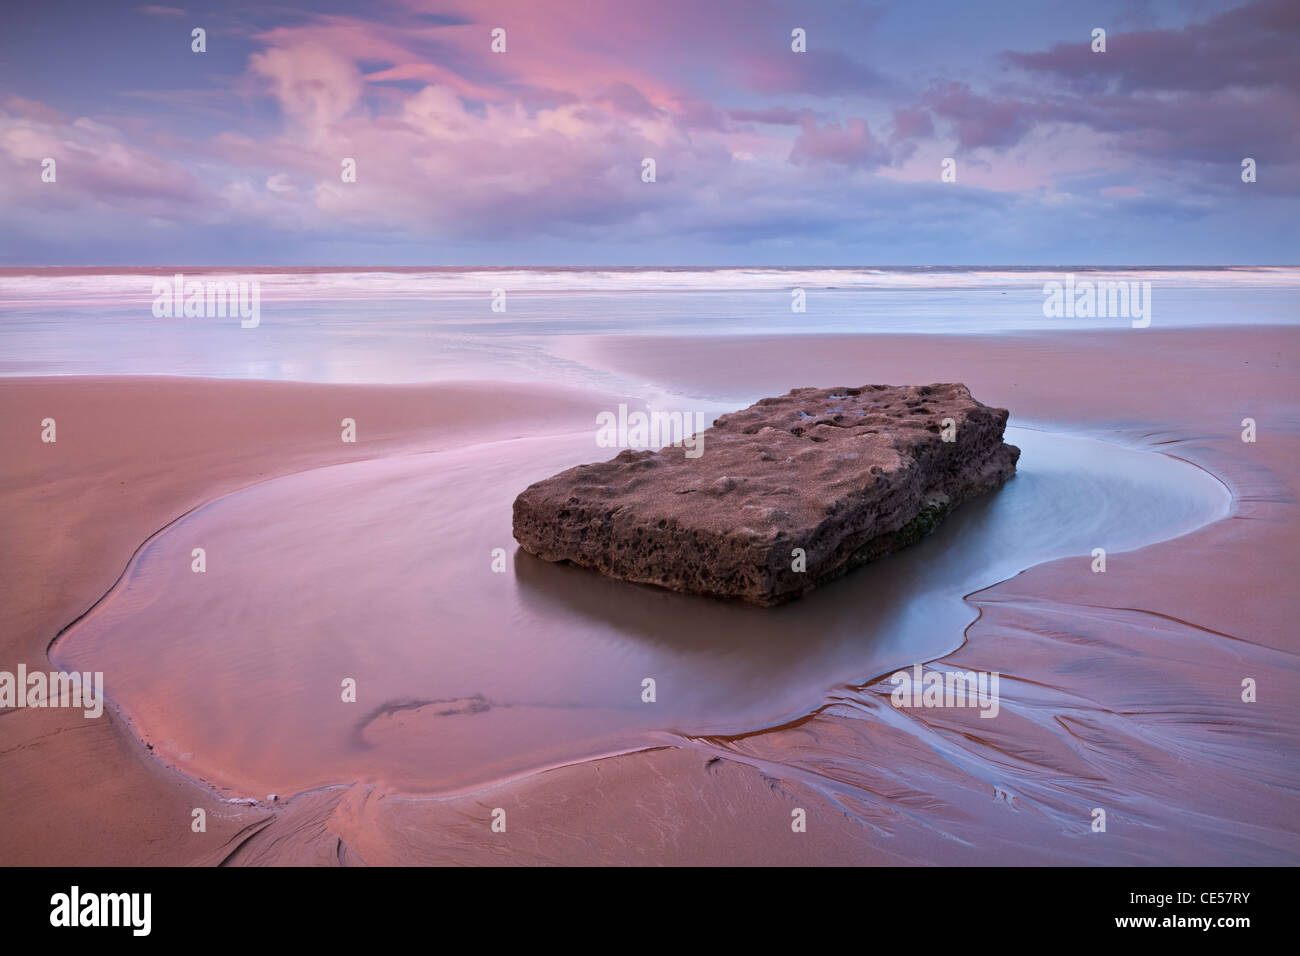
pixel 849 145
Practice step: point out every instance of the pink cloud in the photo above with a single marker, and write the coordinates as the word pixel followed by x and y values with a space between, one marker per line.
pixel 20 106
pixel 850 145
pixel 912 123
pixel 314 84
pixel 980 120
pixel 95 166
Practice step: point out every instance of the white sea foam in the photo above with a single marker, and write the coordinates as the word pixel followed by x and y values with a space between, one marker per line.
pixel 411 325
pixel 48 286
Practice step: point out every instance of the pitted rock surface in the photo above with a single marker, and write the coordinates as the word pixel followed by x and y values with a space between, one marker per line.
pixel 845 474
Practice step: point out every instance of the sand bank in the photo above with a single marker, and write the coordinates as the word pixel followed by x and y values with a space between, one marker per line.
pixel 1119 690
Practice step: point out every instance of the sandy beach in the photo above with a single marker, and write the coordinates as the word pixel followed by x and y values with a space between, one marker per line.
pixel 1119 691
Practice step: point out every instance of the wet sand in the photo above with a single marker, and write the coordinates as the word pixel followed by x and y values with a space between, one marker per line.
pixel 132 455
pixel 1119 690
pixel 379 571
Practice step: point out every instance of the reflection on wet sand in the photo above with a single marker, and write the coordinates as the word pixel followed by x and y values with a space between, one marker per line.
pixel 378 572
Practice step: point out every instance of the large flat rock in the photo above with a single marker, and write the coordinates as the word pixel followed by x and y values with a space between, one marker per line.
pixel 845 474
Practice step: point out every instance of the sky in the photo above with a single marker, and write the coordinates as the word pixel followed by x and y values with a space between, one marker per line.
pixel 763 155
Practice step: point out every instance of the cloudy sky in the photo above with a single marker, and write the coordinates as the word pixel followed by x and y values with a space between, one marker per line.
pixel 763 155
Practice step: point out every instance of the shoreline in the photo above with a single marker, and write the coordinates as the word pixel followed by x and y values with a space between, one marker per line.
pixel 875 673
pixel 733 786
